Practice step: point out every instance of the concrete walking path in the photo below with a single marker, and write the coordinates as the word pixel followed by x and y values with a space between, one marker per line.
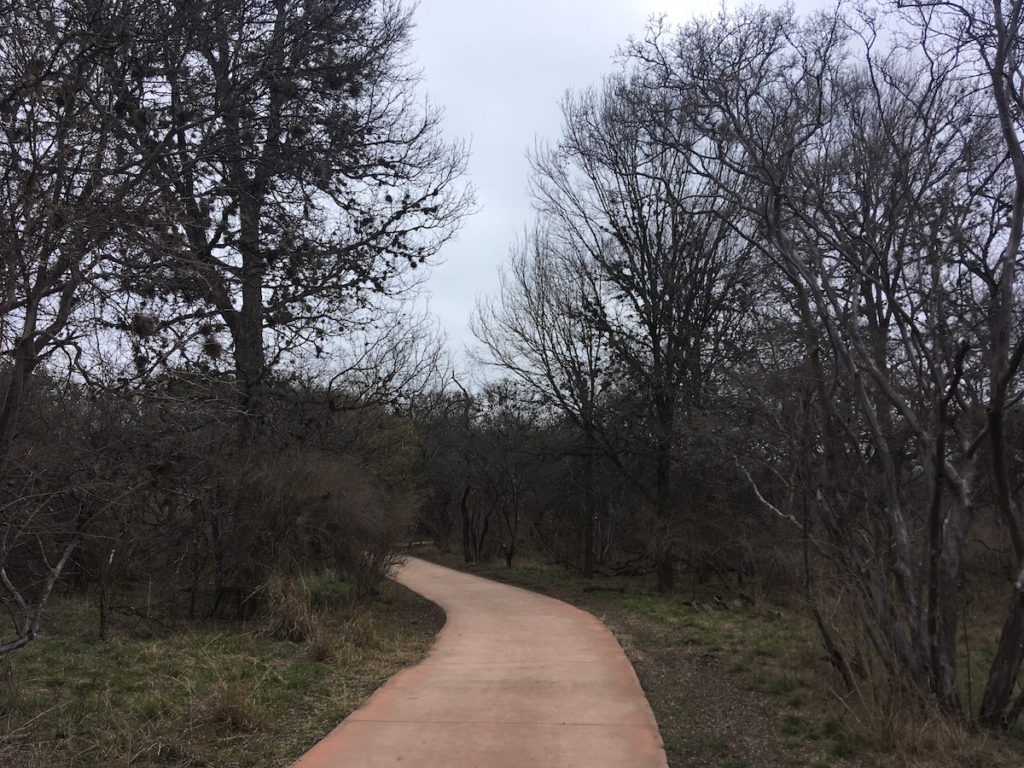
pixel 515 680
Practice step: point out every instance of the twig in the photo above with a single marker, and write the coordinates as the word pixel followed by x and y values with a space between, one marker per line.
pixel 765 501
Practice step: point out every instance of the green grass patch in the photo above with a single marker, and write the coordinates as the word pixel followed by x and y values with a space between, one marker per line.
pixel 212 694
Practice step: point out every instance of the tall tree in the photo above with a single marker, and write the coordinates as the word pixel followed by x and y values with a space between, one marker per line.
pixel 984 42
pixel 539 330
pixel 880 201
pixel 300 170
pixel 622 192
pixel 67 195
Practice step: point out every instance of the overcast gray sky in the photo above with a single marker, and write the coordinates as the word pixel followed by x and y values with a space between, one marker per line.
pixel 499 69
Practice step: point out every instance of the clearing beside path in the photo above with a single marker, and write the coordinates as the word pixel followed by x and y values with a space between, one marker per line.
pixel 516 679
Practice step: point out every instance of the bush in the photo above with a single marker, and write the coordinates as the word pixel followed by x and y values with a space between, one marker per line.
pixel 308 510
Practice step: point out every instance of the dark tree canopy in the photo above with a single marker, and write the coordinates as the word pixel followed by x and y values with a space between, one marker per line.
pixel 297 169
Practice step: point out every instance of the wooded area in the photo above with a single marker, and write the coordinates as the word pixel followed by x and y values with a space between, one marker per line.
pixel 766 328
pixel 771 300
pixel 210 215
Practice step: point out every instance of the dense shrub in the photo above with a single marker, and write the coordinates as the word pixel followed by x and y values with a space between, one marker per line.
pixel 308 510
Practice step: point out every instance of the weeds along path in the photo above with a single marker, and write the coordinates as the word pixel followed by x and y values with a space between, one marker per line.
pixel 515 679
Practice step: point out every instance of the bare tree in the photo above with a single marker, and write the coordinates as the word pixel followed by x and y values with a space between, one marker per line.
pixel 503 465
pixel 539 330
pixel 66 199
pixel 983 42
pixel 878 197
pixel 619 188
pixel 301 172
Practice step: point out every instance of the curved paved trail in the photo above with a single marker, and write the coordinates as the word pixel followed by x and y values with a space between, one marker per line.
pixel 515 680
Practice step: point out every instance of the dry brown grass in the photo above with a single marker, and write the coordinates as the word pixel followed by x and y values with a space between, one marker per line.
pixel 232 708
pixel 290 613
pixel 361 631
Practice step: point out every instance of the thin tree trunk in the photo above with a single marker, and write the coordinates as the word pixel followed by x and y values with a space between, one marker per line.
pixel 467 537
pixel 946 537
pixel 478 541
pixel 1006 665
pixel 665 560
pixel 588 506
pixel 14 395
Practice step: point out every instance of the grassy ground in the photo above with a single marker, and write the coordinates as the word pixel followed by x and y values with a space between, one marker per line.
pixel 732 684
pixel 741 685
pixel 220 695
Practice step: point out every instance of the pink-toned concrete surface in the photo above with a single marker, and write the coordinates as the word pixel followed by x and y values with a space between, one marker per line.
pixel 515 679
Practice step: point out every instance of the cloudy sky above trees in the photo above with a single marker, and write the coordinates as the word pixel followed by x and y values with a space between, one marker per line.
pixel 499 70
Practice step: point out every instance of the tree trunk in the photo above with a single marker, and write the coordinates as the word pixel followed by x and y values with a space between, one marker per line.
pixel 478 540
pixel 26 358
pixel 1010 653
pixel 250 355
pixel 604 531
pixel 665 558
pixel 510 552
pixel 13 398
pixel 588 507
pixel 467 536
pixel 1003 673
pixel 954 531
pixel 944 642
pixel 947 536
pixel 666 568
